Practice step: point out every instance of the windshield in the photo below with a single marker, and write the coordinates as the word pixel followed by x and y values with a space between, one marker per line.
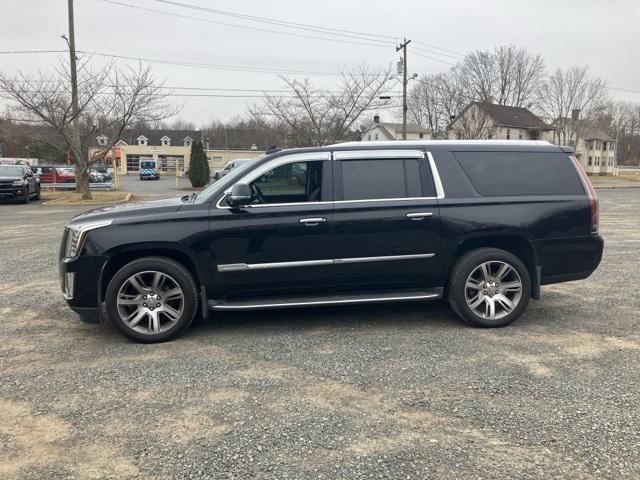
pixel 10 170
pixel 228 180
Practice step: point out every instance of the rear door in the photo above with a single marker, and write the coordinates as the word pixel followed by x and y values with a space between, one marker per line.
pixel 386 219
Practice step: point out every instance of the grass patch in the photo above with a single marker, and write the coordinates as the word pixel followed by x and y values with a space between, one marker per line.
pixel 75 198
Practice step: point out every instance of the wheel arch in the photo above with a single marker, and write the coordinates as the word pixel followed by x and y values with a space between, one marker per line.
pixel 517 243
pixel 120 257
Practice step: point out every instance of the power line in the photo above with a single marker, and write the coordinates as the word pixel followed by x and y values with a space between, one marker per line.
pixel 446 55
pixel 380 43
pixel 342 34
pixel 274 21
pixel 7 52
pixel 432 58
pixel 439 48
pixel 630 90
pixel 212 66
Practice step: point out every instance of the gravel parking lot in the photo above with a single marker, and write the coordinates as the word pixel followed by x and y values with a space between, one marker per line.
pixel 385 391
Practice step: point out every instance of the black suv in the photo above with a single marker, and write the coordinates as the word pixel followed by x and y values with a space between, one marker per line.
pixel 19 182
pixel 482 223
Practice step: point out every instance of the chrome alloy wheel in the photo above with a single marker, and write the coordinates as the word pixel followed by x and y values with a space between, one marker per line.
pixel 493 290
pixel 150 302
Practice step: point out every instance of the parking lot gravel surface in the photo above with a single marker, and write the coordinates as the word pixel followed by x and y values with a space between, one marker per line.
pixel 400 391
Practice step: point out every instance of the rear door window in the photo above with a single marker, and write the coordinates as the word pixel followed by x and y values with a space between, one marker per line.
pixel 380 179
pixel 520 173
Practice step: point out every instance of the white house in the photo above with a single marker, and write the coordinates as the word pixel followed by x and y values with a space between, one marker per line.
pixel 393 131
pixel 595 148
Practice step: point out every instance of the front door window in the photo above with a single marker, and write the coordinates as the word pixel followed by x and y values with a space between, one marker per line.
pixel 298 182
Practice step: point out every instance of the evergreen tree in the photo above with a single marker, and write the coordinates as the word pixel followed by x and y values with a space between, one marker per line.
pixel 198 166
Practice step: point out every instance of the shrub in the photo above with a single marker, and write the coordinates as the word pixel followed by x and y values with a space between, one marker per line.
pixel 198 166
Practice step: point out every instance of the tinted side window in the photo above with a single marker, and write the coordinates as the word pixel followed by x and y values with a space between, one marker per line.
pixel 372 179
pixel 520 173
pixel 289 183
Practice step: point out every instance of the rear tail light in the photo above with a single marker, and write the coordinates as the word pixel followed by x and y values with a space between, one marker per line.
pixel 591 193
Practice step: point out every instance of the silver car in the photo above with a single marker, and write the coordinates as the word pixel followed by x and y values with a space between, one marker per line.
pixel 218 174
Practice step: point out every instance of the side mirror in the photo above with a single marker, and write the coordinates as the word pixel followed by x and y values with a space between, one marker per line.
pixel 29 174
pixel 240 195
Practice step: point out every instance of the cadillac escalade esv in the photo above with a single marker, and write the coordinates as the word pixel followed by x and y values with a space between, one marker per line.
pixel 481 223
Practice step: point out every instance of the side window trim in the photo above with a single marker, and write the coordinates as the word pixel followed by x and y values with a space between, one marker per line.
pixel 389 153
pixel 336 190
pixel 436 177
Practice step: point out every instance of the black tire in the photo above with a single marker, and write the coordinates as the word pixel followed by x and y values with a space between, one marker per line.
pixel 182 278
pixel 25 199
pixel 36 196
pixel 457 288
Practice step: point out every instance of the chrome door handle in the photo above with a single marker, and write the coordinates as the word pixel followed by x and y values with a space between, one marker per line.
pixel 311 222
pixel 418 215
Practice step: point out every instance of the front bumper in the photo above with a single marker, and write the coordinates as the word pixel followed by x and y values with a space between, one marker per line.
pixel 80 281
pixel 9 191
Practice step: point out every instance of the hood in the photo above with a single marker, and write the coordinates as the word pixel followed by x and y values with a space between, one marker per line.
pixel 132 210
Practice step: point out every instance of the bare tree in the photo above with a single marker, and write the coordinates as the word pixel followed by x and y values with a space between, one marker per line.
pixel 622 121
pixel 109 100
pixel 313 116
pixel 508 75
pixel 570 98
pixel 434 100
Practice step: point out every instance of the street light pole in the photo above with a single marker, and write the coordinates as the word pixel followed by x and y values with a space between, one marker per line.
pixel 403 47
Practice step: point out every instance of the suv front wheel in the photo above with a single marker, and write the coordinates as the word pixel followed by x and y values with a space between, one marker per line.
pixel 489 287
pixel 152 299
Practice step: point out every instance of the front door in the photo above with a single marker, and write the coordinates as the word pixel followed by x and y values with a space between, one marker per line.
pixel 386 219
pixel 282 241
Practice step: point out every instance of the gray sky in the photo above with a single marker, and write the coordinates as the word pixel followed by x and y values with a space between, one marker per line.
pixel 603 34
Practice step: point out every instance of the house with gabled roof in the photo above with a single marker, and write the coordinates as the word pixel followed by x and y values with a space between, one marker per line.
pixel 171 149
pixel 392 131
pixel 489 121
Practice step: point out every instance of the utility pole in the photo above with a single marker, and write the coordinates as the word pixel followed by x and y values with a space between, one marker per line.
pixel 75 132
pixel 403 47
pixel 615 152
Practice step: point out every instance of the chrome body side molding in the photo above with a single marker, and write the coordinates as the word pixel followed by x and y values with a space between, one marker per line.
pixel 237 267
pixel 340 261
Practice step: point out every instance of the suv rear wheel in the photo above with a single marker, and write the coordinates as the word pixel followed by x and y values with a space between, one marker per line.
pixel 152 299
pixel 489 287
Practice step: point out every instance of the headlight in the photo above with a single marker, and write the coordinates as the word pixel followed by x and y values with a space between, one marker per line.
pixel 18 183
pixel 76 235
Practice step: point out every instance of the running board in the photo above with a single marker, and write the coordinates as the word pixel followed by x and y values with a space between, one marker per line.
pixel 261 303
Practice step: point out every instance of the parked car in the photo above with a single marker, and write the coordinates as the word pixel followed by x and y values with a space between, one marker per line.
pixel 95 177
pixel 481 223
pixel 53 174
pixel 218 174
pixel 19 182
pixel 105 172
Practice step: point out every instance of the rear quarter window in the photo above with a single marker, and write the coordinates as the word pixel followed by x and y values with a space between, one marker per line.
pixel 520 173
